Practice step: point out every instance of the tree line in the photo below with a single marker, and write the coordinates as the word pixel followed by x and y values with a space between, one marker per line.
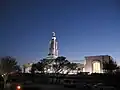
pixel 10 65
pixel 59 65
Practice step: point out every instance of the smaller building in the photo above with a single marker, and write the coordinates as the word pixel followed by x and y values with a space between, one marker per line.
pixel 94 64
pixel 26 68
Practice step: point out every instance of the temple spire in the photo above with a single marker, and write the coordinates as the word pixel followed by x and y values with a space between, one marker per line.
pixel 53 47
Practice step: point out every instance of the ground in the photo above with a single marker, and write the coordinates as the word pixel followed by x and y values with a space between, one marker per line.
pixel 55 87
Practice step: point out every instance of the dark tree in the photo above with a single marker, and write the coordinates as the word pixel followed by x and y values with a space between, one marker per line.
pixel 18 68
pixel 39 66
pixel 110 66
pixel 72 66
pixel 7 65
pixel 33 68
pixel 60 63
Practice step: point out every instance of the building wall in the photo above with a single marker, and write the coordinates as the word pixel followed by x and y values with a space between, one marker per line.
pixel 91 59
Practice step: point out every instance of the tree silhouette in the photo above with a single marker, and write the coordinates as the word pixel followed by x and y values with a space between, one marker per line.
pixel 7 65
pixel 60 63
pixel 33 68
pixel 18 68
pixel 72 66
pixel 110 66
pixel 39 66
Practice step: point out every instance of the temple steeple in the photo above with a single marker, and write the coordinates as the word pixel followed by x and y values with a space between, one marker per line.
pixel 53 47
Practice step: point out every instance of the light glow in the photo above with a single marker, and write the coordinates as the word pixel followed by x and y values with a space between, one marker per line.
pixel 96 67
pixel 18 87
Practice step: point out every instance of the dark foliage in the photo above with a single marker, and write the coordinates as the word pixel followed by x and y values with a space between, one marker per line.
pixel 110 66
pixel 8 64
pixel 60 63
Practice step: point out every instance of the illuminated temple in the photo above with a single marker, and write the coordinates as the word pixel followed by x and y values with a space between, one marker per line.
pixel 91 64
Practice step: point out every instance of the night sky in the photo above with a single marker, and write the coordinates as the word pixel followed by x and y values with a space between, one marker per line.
pixel 83 28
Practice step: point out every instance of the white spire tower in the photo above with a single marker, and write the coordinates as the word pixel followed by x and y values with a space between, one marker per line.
pixel 53 48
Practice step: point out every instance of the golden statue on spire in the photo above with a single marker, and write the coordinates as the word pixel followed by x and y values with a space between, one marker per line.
pixel 53 33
